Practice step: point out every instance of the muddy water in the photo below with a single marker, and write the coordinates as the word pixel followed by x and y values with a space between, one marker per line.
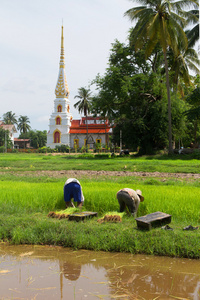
pixel 40 272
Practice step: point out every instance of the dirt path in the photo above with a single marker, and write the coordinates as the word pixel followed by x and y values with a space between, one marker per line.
pixel 96 174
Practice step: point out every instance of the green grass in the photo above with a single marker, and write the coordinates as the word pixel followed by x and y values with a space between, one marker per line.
pixel 34 162
pixel 24 207
pixel 182 202
pixel 25 202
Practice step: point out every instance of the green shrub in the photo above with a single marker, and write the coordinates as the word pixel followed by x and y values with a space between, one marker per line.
pixel 103 155
pixel 196 154
pixel 15 151
pixel 63 148
pixel 2 149
pixel 85 155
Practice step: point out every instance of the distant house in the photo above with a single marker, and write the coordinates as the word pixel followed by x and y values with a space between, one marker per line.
pixel 98 132
pixel 21 143
pixel 11 128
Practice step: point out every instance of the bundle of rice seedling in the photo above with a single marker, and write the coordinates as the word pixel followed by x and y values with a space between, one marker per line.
pixel 111 217
pixel 62 214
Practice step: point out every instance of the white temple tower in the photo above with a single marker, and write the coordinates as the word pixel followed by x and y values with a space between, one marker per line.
pixel 60 120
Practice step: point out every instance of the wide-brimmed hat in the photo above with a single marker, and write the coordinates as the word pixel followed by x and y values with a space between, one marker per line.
pixel 139 193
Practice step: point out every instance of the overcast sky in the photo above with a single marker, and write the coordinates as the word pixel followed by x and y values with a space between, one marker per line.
pixel 30 38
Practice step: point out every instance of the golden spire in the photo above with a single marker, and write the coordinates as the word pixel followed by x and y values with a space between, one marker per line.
pixel 61 89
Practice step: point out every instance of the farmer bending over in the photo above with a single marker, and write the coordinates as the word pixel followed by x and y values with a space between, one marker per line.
pixel 72 189
pixel 130 199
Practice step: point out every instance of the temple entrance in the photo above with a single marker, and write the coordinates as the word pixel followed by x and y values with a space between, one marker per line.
pixel 57 137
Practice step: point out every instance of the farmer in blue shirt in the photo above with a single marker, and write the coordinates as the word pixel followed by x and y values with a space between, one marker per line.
pixel 72 189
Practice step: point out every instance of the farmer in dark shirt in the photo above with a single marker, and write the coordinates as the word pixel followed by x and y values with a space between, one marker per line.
pixel 130 199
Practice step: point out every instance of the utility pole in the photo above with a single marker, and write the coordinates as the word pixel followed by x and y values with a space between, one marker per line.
pixel 120 141
pixel 5 143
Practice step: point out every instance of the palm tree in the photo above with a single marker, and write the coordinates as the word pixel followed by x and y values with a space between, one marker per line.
pixel 193 113
pixel 193 34
pixel 100 107
pixel 160 22
pixel 9 118
pixel 180 64
pixel 84 104
pixel 23 125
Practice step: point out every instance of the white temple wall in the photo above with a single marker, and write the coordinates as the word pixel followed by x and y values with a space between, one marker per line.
pixel 82 137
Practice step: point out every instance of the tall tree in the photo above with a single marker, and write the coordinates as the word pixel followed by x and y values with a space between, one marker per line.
pixel 38 138
pixel 9 118
pixel 133 96
pixel 180 64
pixel 100 108
pixel 193 113
pixel 193 33
pixel 5 138
pixel 160 22
pixel 83 104
pixel 23 125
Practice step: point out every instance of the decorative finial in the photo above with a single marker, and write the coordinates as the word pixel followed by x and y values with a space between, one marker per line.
pixel 61 87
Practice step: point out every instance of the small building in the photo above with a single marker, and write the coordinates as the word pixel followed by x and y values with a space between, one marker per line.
pixel 21 143
pixel 11 128
pixel 98 132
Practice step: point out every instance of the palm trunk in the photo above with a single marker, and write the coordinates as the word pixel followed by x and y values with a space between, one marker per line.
pixel 105 130
pixel 169 104
pixel 195 132
pixel 87 133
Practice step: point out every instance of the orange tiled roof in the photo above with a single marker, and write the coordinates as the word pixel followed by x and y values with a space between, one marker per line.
pixel 79 126
pixel 21 140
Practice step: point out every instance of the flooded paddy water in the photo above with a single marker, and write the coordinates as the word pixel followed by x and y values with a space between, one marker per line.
pixel 44 272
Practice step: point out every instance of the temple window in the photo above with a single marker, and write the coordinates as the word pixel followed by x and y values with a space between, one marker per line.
pixel 99 121
pixel 59 108
pixel 98 141
pixel 90 122
pixel 76 143
pixel 57 137
pixel 58 121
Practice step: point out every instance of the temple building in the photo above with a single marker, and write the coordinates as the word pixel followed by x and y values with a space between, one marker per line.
pixel 73 133
pixel 60 120
pixel 96 129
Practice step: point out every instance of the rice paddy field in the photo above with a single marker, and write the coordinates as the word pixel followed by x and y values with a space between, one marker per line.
pixel 30 189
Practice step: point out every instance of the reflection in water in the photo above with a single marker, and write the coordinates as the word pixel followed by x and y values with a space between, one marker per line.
pixel 40 272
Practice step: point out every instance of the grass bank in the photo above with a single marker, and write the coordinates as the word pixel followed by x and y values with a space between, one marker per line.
pixel 20 162
pixel 25 204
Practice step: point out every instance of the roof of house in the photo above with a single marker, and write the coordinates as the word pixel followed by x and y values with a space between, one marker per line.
pixel 95 125
pixel 9 127
pixel 21 140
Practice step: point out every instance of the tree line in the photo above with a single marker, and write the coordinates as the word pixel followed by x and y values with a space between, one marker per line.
pixel 37 138
pixel 147 91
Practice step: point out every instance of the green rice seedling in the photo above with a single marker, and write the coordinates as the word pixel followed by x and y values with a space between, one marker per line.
pixel 100 197
pixel 24 197
pixel 182 202
pixel 68 211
